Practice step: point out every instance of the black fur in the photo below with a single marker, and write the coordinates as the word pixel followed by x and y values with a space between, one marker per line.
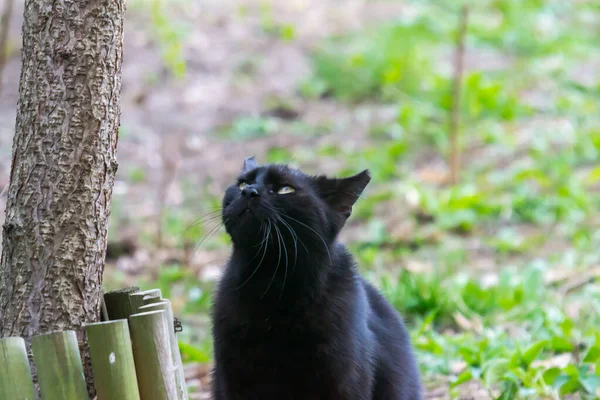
pixel 292 318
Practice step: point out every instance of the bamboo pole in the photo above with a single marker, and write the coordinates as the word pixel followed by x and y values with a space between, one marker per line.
pixel 59 368
pixel 152 355
pixel 112 360
pixel 136 300
pixel 151 300
pixel 165 305
pixel 117 302
pixel 15 375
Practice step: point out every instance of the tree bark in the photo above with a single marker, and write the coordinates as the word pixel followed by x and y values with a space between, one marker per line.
pixel 63 166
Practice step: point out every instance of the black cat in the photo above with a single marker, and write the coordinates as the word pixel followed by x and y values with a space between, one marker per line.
pixel 292 318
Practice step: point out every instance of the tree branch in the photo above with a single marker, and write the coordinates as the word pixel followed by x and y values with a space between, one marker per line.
pixel 459 56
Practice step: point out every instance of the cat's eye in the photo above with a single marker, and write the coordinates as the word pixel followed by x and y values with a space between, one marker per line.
pixel 242 185
pixel 286 190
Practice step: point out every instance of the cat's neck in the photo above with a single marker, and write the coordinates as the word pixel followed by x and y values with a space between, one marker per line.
pixel 289 272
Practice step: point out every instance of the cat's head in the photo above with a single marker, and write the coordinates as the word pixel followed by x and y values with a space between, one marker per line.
pixel 315 208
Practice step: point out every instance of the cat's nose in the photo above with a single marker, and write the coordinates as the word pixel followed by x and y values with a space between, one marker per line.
pixel 250 192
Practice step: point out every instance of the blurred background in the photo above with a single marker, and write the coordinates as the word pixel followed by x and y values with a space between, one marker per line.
pixel 493 262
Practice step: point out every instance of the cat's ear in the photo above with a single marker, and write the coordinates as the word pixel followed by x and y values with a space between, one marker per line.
pixel 342 193
pixel 249 164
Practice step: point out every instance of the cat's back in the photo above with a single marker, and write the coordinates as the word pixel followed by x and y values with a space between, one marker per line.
pixel 379 334
pixel 396 375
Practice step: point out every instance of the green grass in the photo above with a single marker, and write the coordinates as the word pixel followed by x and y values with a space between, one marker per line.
pixel 469 266
pixel 507 334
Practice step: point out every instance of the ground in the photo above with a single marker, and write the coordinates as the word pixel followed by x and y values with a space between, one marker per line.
pixel 495 275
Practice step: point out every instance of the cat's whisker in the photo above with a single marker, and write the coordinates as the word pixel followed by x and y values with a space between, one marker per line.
pixel 211 211
pixel 262 258
pixel 296 239
pixel 315 232
pixel 197 247
pixel 260 244
pixel 295 236
pixel 210 233
pixel 278 262
pixel 286 261
pixel 207 211
pixel 264 238
pixel 211 215
pixel 204 222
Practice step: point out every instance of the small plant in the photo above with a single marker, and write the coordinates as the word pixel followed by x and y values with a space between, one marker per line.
pixel 167 33
pixel 170 38
pixel 250 127
pixel 377 64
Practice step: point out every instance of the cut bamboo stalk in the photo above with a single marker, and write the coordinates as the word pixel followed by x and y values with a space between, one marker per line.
pixel 15 375
pixel 177 364
pixel 117 302
pixel 59 368
pixel 112 360
pixel 136 300
pixel 151 300
pixel 152 355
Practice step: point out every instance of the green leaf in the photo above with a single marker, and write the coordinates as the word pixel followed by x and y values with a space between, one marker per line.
pixel 191 354
pixel 566 384
pixel 560 380
pixel 287 32
pixel 594 176
pixel 590 383
pixel 515 359
pixel 593 354
pixel 567 326
pixel 494 370
pixel 561 344
pixel 550 375
pixel 532 352
pixel 571 370
pixel 510 391
pixel 571 386
pixel 428 321
pixel 469 355
pixel 462 378
pixel 278 155
pixel 430 345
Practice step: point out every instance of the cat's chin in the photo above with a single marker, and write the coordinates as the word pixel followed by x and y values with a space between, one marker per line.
pixel 245 225
pixel 247 216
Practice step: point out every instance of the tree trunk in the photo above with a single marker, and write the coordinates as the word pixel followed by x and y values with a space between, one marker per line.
pixel 63 167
